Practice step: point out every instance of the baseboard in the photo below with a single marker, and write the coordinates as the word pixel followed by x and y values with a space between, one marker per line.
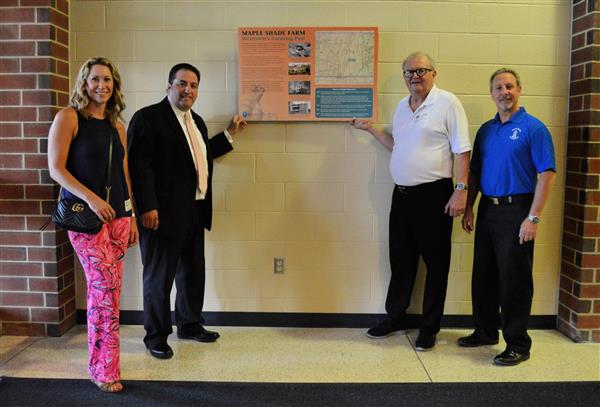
pixel 317 320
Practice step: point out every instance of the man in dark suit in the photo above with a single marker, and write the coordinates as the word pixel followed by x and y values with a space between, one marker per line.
pixel 171 163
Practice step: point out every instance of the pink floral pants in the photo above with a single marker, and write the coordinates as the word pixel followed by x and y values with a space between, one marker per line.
pixel 101 256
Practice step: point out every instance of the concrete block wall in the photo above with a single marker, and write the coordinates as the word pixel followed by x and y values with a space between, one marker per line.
pixel 318 194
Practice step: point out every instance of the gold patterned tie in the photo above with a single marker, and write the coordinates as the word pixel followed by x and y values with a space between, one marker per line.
pixel 201 169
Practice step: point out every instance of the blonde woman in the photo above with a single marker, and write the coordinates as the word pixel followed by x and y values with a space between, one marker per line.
pixel 78 150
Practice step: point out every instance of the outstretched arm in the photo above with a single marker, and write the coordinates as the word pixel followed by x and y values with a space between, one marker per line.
pixel 383 137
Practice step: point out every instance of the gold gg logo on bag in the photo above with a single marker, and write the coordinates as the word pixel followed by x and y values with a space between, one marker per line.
pixel 77 207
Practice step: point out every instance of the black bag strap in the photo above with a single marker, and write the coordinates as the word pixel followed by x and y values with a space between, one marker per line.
pixel 107 185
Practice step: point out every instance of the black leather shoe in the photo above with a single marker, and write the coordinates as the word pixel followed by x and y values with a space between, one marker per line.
pixel 510 358
pixel 425 343
pixel 161 350
pixel 384 329
pixel 201 335
pixel 475 340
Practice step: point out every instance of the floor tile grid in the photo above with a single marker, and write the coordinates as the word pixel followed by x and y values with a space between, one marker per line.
pixel 246 354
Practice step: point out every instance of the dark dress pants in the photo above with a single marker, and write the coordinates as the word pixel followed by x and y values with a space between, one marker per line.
pixel 502 274
pixel 419 227
pixel 167 259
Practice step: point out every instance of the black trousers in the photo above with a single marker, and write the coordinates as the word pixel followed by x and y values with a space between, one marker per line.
pixel 419 227
pixel 168 259
pixel 502 274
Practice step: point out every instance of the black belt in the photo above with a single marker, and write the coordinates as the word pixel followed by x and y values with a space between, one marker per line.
pixel 507 200
pixel 403 189
pixel 406 189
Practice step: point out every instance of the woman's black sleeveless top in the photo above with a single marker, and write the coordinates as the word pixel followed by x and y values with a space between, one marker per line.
pixel 88 161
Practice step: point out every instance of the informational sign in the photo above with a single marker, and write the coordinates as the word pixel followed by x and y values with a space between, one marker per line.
pixel 307 73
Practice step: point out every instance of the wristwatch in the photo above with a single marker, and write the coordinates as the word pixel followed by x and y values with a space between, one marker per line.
pixel 461 186
pixel 533 219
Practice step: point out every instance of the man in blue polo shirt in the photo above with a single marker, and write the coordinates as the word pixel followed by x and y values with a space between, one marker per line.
pixel 513 166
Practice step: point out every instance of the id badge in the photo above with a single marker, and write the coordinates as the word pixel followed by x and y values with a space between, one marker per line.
pixel 127 205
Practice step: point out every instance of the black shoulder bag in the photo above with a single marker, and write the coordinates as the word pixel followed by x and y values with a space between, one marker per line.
pixel 75 214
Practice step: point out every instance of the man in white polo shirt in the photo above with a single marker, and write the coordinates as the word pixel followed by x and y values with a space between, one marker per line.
pixel 429 129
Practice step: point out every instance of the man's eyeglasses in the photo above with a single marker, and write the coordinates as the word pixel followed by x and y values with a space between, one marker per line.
pixel 419 71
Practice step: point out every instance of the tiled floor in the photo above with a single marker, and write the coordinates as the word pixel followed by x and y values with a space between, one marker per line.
pixel 305 355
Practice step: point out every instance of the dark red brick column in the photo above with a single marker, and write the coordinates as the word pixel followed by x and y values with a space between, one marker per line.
pixel 579 298
pixel 37 291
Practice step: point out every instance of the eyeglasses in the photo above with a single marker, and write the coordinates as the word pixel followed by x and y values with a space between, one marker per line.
pixel 419 71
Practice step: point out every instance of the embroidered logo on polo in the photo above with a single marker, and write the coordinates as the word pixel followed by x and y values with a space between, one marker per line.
pixel 515 133
pixel 421 116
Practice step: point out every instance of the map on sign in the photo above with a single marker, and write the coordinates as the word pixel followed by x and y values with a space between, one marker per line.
pixel 345 57
pixel 307 73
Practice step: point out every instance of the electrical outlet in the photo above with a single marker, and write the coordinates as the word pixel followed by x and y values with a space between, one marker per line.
pixel 278 265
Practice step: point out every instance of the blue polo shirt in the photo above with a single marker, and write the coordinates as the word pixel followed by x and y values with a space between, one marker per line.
pixel 508 156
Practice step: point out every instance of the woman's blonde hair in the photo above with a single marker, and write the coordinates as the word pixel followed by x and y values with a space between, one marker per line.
pixel 80 99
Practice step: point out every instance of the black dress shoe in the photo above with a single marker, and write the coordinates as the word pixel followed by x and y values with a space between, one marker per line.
pixel 385 329
pixel 200 335
pixel 475 340
pixel 510 358
pixel 424 342
pixel 161 350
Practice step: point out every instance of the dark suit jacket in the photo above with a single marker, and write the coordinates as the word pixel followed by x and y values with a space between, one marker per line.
pixel 162 169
